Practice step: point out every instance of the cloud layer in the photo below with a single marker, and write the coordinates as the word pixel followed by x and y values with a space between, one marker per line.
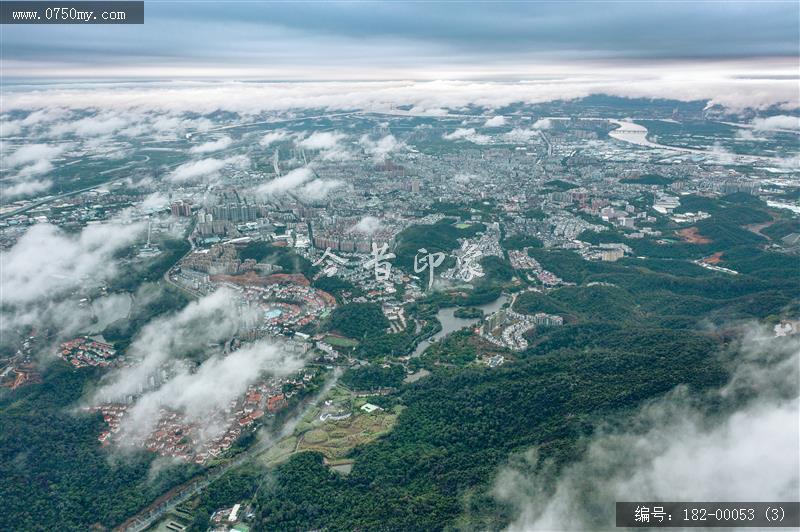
pixel 730 85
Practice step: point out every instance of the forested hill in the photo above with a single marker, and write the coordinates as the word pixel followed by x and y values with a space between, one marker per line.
pixel 460 425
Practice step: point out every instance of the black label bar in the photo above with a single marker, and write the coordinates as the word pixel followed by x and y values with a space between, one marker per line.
pixel 708 514
pixel 72 12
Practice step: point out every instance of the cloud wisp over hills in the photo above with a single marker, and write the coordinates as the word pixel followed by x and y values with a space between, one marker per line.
pixel 677 448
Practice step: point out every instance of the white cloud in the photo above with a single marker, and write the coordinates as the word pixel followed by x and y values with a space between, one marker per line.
pixel 745 134
pixel 169 339
pixel 63 318
pixel 468 134
pixel 174 124
pixel 45 262
pixel 368 225
pixel 721 155
pixel 35 119
pixel 33 153
pixel 319 189
pixel 495 121
pixel 212 146
pixel 171 109
pixel 43 273
pixel 37 168
pixel 284 183
pixel 154 202
pixel 719 84
pixel 776 122
pixel 322 140
pixel 302 182
pixel 200 395
pixel 10 128
pixel 328 144
pixel 748 135
pixel 272 137
pixel 522 135
pixel 382 147
pixel 26 188
pixel 542 123
pixel 162 349
pixel 429 111
pixel 205 168
pixel 45 116
pixel 90 126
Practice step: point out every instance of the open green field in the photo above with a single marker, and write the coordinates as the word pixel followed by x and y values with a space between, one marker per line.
pixel 335 439
pixel 340 341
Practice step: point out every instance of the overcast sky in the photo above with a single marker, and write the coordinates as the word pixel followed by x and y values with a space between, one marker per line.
pixel 409 40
